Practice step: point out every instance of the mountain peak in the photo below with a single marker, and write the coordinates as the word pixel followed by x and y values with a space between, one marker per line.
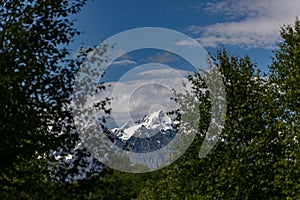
pixel 157 121
pixel 158 113
pixel 157 118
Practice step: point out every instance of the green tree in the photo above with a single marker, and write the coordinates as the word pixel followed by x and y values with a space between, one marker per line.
pixel 257 156
pixel 194 178
pixel 284 81
pixel 36 83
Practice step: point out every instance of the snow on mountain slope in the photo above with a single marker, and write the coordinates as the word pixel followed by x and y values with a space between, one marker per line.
pixel 150 133
pixel 158 121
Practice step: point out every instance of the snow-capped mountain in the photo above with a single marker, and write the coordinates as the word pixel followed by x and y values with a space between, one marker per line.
pixel 158 121
pixel 150 133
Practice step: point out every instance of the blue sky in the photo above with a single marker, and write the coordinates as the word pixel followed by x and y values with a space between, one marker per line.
pixel 242 27
pixel 247 27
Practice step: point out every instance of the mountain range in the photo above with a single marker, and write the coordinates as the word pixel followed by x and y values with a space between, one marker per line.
pixel 150 133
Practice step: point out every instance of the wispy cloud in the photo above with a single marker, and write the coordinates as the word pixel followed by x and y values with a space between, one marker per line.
pixel 248 23
pixel 165 73
pixel 124 62
pixel 133 98
pixel 188 43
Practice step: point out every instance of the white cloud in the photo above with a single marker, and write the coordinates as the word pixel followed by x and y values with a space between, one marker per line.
pixel 124 62
pixel 188 43
pixel 163 74
pixel 249 23
pixel 133 98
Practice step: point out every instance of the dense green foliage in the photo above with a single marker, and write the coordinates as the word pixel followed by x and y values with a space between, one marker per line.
pixel 257 156
pixel 36 83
